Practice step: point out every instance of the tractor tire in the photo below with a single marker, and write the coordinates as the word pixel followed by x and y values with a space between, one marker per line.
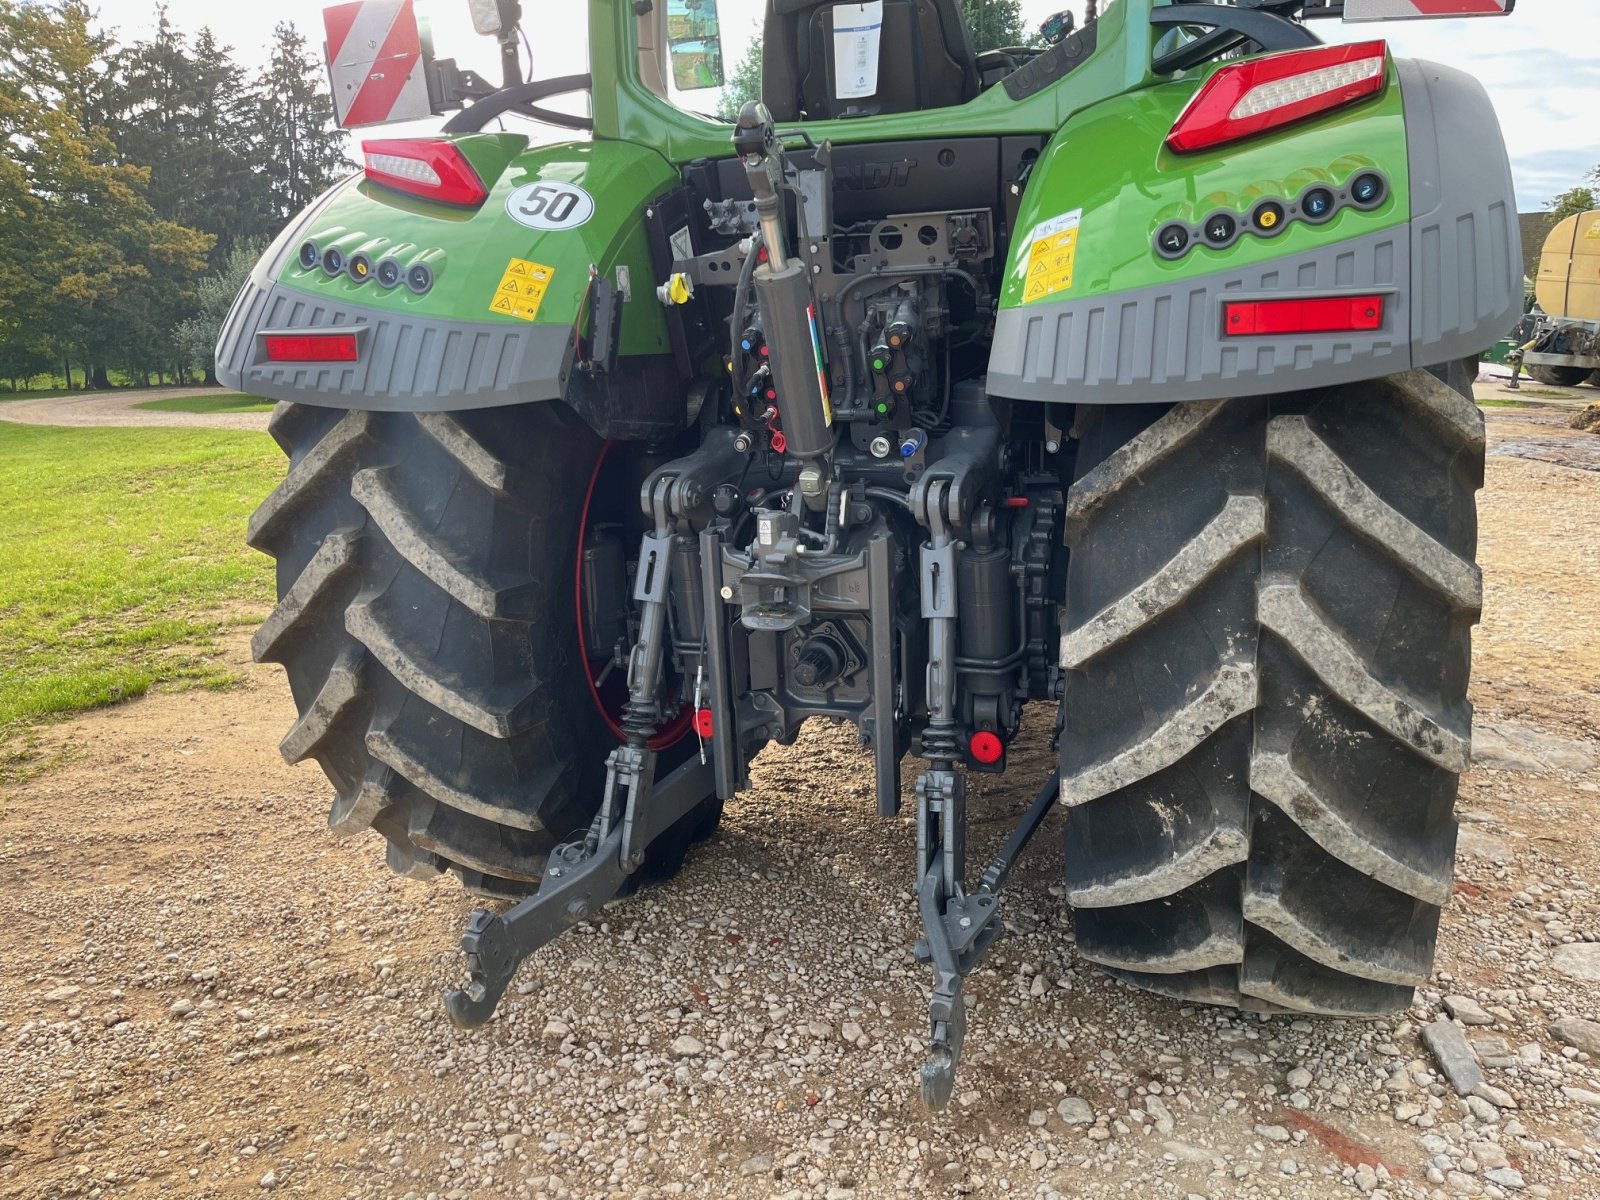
pixel 1268 638
pixel 1559 376
pixel 426 620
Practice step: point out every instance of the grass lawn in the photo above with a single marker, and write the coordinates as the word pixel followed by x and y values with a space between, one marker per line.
pixel 228 402
pixel 122 549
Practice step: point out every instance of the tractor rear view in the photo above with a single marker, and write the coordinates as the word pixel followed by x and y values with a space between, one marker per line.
pixel 1127 375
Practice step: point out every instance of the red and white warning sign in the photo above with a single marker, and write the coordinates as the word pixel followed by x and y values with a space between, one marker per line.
pixel 1400 10
pixel 375 62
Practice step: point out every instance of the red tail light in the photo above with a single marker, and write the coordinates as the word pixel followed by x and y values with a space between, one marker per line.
pixel 432 168
pixel 311 347
pixel 1259 94
pixel 1316 314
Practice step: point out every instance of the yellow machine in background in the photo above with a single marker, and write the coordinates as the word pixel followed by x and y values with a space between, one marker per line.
pixel 1563 346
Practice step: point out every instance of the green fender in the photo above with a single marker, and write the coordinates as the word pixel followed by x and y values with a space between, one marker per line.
pixel 499 323
pixel 1093 311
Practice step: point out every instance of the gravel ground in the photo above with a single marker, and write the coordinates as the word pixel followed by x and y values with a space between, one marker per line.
pixel 117 408
pixel 210 995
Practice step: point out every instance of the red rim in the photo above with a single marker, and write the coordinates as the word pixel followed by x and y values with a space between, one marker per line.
pixel 612 713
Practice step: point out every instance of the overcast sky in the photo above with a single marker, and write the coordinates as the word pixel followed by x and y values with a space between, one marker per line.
pixel 1541 64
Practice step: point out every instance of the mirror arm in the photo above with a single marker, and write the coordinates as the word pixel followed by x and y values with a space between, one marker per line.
pixel 510 55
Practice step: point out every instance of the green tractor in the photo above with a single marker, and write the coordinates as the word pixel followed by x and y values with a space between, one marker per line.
pixel 1128 374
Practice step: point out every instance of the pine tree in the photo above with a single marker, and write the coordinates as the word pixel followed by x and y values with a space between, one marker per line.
pixel 296 140
pixel 104 278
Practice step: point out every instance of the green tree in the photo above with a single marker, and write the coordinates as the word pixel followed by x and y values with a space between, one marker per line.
pixel 744 82
pixel 105 275
pixel 1575 200
pixel 295 137
pixel 187 115
pixel 993 24
pixel 196 337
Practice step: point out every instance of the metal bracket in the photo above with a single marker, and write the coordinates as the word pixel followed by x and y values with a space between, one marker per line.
pixel 958 928
pixel 580 877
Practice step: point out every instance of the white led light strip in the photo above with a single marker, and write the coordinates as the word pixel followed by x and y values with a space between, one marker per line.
pixel 1282 92
pixel 413 169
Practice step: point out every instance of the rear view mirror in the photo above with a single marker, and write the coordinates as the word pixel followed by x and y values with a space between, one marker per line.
pixel 694 40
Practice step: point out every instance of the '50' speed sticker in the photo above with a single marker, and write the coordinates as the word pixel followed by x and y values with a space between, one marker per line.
pixel 550 204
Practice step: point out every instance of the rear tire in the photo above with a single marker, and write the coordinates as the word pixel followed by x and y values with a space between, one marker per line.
pixel 1559 376
pixel 1268 638
pixel 426 620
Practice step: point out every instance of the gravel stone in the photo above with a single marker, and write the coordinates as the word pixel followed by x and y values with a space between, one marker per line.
pixel 1578 960
pixel 555 1032
pixel 1467 1010
pixel 1075 1111
pixel 1453 1054
pixel 685 1046
pixel 1575 1031
pixel 1498 1097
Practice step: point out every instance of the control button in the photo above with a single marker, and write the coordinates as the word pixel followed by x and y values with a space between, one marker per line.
pixel 1367 189
pixel 1173 240
pixel 1220 228
pixel 1268 216
pixel 1317 204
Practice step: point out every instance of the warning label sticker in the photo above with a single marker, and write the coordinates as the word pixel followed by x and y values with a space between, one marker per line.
pixel 1052 257
pixel 522 289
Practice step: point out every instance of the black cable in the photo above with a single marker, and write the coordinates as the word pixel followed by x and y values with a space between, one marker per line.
pixel 741 294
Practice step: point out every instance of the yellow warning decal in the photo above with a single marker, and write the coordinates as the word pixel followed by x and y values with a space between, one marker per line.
pixel 1052 256
pixel 521 289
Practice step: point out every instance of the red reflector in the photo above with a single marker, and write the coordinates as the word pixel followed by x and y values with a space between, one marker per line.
pixel 1326 314
pixel 986 747
pixel 311 347
pixel 433 168
pixel 703 723
pixel 1259 94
